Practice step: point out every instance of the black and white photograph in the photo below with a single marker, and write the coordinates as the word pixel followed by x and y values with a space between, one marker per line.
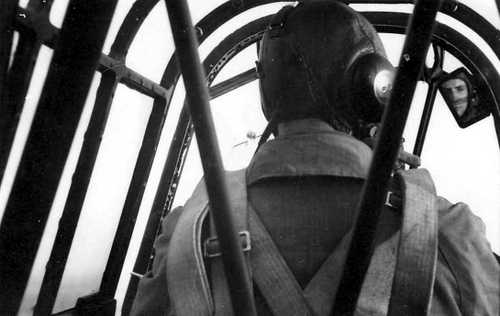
pixel 249 157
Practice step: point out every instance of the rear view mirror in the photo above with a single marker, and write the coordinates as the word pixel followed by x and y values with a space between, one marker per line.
pixel 460 93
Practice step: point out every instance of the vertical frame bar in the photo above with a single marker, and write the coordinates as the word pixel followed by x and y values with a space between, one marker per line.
pixel 425 119
pixel 87 158
pixel 431 76
pixel 70 74
pixel 7 18
pixel 7 14
pixel 214 63
pixel 71 213
pixel 18 80
pixel 133 200
pixel 418 38
pixel 162 201
pixel 206 26
pixel 197 95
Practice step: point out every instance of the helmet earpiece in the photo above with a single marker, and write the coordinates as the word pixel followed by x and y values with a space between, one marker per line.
pixel 366 87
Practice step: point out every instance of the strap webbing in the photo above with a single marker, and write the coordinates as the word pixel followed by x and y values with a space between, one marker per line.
pixel 417 253
pixel 276 282
pixel 187 281
pixel 284 295
pixel 411 285
pixel 321 290
pixel 220 290
pixel 238 199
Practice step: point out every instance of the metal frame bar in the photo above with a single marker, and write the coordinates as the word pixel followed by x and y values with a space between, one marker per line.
pixel 162 202
pixel 455 43
pixel 19 76
pixel 215 61
pixel 133 200
pixel 113 70
pixel 430 75
pixel 124 231
pixel 76 196
pixel 7 14
pixel 425 119
pixel 237 272
pixel 68 80
pixel 233 83
pixel 164 196
pixel 418 38
pixel 7 17
pixel 48 33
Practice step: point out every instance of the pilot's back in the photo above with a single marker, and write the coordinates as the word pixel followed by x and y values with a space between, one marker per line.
pixel 307 195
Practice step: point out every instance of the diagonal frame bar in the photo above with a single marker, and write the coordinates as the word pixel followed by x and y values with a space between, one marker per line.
pixel 19 75
pixel 197 95
pixel 7 16
pixel 412 60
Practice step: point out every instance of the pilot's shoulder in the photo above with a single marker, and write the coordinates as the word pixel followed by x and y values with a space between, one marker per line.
pixel 464 249
pixel 458 216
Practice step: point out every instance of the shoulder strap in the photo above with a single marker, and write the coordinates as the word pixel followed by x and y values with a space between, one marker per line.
pixel 269 270
pixel 411 285
pixel 285 297
pixel 414 250
pixel 187 281
pixel 276 282
pixel 236 181
pixel 376 289
pixel 417 251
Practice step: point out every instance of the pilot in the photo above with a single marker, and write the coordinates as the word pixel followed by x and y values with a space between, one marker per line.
pixel 456 92
pixel 318 63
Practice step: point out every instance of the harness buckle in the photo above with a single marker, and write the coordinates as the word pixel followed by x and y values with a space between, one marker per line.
pixel 392 200
pixel 211 246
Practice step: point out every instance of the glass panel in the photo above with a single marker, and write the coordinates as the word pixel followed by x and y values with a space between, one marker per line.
pixel 150 192
pixel 238 121
pixel 153 46
pixel 463 160
pixel 57 12
pixel 465 164
pixel 29 107
pixel 15 41
pixel 460 160
pixel 105 197
pixel 37 273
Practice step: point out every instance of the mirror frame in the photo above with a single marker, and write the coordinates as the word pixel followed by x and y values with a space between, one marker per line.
pixel 482 97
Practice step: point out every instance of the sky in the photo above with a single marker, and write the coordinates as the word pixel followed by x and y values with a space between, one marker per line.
pixel 465 163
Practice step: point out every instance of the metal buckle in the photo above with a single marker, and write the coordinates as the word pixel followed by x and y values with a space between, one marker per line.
pixel 388 200
pixel 211 246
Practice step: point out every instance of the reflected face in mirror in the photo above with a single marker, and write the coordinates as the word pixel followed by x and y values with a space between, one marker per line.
pixel 468 97
pixel 456 92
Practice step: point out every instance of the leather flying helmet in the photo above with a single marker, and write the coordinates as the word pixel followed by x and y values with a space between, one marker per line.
pixel 323 59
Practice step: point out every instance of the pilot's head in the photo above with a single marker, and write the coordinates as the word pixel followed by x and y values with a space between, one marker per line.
pixel 321 59
pixel 455 90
